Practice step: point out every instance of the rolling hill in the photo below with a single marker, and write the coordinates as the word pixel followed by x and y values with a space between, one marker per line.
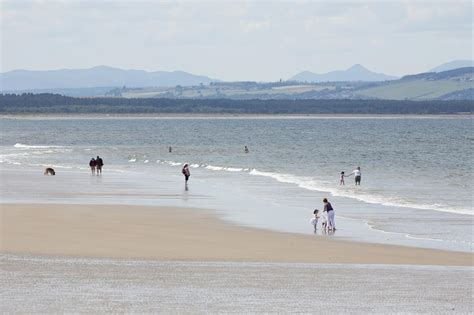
pixel 355 73
pixel 101 76
pixel 456 84
pixel 455 64
pixel 425 86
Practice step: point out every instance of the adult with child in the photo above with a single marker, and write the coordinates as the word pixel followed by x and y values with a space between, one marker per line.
pixel 358 175
pixel 330 213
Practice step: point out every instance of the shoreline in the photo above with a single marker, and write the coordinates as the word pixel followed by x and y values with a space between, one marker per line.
pixel 185 116
pixel 184 234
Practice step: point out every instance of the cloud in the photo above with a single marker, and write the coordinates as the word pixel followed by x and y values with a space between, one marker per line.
pixel 254 26
pixel 246 40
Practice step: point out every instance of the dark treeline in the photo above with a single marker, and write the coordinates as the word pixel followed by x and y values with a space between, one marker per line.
pixel 58 104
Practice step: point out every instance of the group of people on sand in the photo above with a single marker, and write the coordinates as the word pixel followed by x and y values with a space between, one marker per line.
pixel 327 215
pixel 357 173
pixel 96 165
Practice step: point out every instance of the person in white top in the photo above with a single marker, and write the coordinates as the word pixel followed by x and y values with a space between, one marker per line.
pixel 357 174
pixel 314 220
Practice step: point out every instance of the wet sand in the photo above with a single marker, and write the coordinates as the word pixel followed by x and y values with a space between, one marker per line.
pixel 65 285
pixel 181 234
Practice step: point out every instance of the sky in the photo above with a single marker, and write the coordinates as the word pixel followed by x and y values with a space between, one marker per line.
pixel 235 40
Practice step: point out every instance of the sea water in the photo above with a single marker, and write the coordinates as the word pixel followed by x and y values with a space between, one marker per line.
pixel 416 172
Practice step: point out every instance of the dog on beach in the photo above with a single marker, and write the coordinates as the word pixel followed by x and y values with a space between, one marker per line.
pixel 49 171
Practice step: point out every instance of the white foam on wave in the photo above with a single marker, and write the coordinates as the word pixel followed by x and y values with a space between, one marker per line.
pixel 233 169
pixel 310 183
pixel 206 166
pixel 223 168
pixel 132 160
pixel 26 146
pixel 315 185
pixel 214 168
pixel 146 161
pixel 174 163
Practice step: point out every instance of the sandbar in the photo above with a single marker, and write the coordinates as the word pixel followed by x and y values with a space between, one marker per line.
pixel 184 234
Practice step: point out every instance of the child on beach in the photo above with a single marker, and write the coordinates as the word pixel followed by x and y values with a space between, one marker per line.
pixel 324 221
pixel 341 181
pixel 314 220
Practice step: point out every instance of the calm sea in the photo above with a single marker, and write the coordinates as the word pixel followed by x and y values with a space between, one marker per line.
pixel 417 174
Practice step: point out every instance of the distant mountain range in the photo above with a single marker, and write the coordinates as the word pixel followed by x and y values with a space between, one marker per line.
pixel 98 81
pixel 455 84
pixel 355 73
pixel 100 76
pixel 455 64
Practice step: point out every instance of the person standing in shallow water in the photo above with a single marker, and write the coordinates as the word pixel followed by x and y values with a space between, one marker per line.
pixel 246 149
pixel 341 180
pixel 358 175
pixel 93 164
pixel 330 212
pixel 186 174
pixel 100 163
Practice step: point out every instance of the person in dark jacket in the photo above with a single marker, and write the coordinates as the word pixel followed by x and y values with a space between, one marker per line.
pixel 330 212
pixel 100 163
pixel 93 165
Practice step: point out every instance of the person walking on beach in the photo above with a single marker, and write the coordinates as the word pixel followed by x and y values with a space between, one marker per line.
pixel 100 163
pixel 93 164
pixel 186 174
pixel 330 212
pixel 357 174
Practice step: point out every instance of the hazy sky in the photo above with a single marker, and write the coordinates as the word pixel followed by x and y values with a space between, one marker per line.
pixel 235 40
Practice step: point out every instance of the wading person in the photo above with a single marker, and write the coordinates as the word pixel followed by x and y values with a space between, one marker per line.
pixel 93 164
pixel 186 174
pixel 100 163
pixel 358 175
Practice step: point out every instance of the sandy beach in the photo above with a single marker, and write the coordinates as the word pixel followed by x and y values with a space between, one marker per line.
pixel 180 234
pixel 149 259
pixel 38 284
